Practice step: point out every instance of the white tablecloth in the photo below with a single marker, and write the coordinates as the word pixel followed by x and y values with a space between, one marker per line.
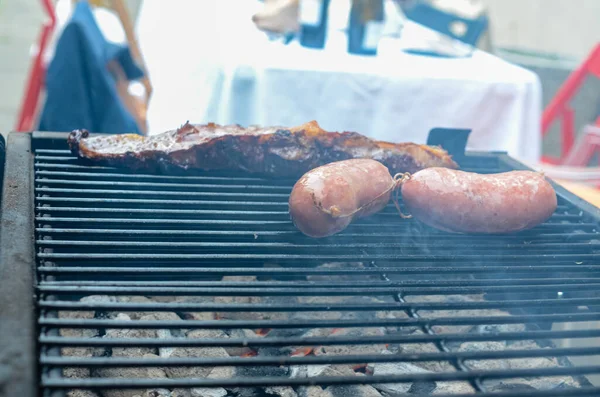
pixel 207 63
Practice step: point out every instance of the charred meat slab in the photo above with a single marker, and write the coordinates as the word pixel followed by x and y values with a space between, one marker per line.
pixel 275 151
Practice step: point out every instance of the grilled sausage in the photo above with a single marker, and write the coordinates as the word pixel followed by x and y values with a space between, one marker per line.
pixel 466 202
pixel 327 199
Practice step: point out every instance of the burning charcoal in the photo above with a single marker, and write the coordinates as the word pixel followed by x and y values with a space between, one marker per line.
pixel 197 352
pixel 78 351
pixel 135 299
pixel 156 393
pixel 208 392
pixel 313 391
pixel 347 390
pixel 353 390
pixel 238 351
pixel 337 277
pixel 281 391
pixel 81 393
pixel 392 315
pixel 422 388
pixel 544 383
pixel 163 333
pixel 181 393
pixel 99 299
pixel 394 369
pixel 229 300
pixel 139 372
pixel 512 387
pixel 130 333
pixel 453 388
pixel 419 348
pixel 353 349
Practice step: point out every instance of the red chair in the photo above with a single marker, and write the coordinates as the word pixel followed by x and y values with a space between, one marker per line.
pixel 559 106
pixel 35 82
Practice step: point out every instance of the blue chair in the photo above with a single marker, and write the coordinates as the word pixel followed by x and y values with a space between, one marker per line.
pixel 448 24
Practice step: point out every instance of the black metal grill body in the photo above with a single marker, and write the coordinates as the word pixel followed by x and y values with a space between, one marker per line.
pixel 73 231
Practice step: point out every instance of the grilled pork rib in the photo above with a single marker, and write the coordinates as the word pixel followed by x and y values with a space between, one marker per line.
pixel 275 151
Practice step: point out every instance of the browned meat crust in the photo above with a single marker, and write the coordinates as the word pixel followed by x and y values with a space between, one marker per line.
pixel 276 151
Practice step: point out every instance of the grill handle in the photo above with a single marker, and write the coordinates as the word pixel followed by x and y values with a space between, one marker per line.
pixel 453 140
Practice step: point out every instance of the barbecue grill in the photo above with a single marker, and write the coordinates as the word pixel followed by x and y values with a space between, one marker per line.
pixel 122 284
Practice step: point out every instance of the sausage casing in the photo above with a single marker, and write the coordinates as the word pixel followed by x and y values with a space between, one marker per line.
pixel 325 200
pixel 466 202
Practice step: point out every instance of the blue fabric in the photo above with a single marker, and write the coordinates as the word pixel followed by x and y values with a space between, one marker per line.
pixel 440 21
pixel 80 91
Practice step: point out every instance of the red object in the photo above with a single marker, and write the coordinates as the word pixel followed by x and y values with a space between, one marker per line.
pixel 28 111
pixel 585 148
pixel 559 106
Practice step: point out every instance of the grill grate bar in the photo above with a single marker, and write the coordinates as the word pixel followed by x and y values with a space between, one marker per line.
pixel 369 285
pixel 312 360
pixel 317 341
pixel 257 307
pixel 327 258
pixel 170 186
pixel 186 244
pixel 332 380
pixel 301 271
pixel 280 324
pixel 355 291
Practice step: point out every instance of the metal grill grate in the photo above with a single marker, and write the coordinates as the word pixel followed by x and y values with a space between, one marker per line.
pixel 136 271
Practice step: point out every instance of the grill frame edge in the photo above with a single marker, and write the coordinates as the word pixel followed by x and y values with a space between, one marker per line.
pixel 18 329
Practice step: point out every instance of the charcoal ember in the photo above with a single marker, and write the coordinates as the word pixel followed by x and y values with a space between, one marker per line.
pixel 311 371
pixel 135 299
pixel 156 393
pixel 161 333
pixel 83 314
pixel 208 392
pixel 76 372
pixel 99 299
pixel 444 329
pixel 512 387
pixel 261 371
pixel 422 388
pixel 278 300
pixel 78 351
pixel 181 393
pixel 120 333
pixel 340 266
pixel 394 369
pixel 196 352
pixel 519 363
pixel 199 316
pixel 542 383
pixel 163 298
pixel 313 391
pixel 353 349
pixel 496 328
pixel 231 300
pixel 237 351
pixel 353 390
pixel 347 390
pixel 453 388
pixel 394 315
pixel 133 372
pixel 81 393
pixel 281 391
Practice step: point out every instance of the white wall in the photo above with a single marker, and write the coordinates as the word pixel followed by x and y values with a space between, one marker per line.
pixel 567 27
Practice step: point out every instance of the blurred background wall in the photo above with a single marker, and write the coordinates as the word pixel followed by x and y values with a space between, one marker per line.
pixel 565 29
